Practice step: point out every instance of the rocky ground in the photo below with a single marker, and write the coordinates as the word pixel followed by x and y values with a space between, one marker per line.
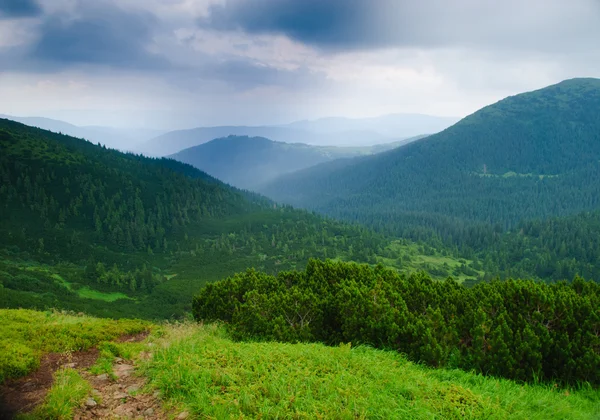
pixel 117 396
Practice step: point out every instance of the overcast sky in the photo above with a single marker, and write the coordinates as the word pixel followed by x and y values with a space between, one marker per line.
pixel 185 63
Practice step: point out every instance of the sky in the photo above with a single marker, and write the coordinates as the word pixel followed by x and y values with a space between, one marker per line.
pixel 185 63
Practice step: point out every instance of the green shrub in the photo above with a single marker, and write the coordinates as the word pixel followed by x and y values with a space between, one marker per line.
pixel 16 360
pixel 518 329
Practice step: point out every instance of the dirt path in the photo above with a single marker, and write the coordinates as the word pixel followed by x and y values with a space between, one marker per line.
pixel 23 394
pixel 119 398
pixel 111 398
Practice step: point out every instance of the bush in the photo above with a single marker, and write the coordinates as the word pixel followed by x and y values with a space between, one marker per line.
pixel 16 360
pixel 518 329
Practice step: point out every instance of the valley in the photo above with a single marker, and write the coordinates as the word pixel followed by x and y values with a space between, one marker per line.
pixel 445 269
pixel 251 162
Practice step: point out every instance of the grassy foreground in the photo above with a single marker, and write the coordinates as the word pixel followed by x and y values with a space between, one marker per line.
pixel 25 335
pixel 198 368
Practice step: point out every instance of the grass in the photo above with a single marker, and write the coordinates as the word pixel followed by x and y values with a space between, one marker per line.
pixel 110 350
pixel 67 392
pixel 83 292
pixel 25 335
pixel 86 292
pixel 200 370
pixel 410 257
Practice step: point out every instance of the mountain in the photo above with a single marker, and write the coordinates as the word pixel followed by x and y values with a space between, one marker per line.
pixel 532 155
pixel 249 162
pixel 116 138
pixel 92 229
pixel 175 141
pixel 342 132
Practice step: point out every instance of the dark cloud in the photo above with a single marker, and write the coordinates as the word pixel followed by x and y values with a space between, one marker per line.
pixel 329 22
pixel 19 8
pixel 543 25
pixel 97 34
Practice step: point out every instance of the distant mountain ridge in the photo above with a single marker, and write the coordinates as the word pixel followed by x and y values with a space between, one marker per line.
pixel 391 125
pixel 343 132
pixel 249 162
pixel 116 138
pixel 532 155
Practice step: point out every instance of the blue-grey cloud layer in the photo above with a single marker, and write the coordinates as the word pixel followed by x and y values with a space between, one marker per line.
pixel 19 8
pixel 316 22
pixel 467 43
pixel 550 25
pixel 101 34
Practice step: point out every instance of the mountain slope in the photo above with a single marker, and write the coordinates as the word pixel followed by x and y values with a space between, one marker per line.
pixel 248 162
pixel 341 132
pixel 527 156
pixel 92 229
pixel 175 141
pixel 72 183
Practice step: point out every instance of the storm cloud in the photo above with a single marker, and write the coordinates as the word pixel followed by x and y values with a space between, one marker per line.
pixel 194 62
pixel 546 25
pixel 19 8
pixel 101 34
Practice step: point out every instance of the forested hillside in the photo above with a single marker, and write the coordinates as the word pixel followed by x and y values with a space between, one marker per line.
pixel 553 249
pixel 529 156
pixel 57 182
pixel 326 132
pixel 249 162
pixel 88 228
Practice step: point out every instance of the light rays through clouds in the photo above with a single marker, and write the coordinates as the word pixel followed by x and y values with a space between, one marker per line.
pixel 178 63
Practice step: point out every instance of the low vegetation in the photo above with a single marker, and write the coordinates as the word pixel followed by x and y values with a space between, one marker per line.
pixel 26 335
pixel 517 329
pixel 201 370
pixel 198 369
pixel 67 393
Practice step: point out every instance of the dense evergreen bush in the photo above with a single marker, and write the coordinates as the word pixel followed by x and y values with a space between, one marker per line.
pixel 518 329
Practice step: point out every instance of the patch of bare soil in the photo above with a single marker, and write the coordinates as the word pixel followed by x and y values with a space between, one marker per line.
pixel 120 398
pixel 133 338
pixel 23 394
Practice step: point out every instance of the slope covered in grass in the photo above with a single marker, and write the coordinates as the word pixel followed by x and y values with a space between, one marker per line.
pixel 26 335
pixel 201 370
